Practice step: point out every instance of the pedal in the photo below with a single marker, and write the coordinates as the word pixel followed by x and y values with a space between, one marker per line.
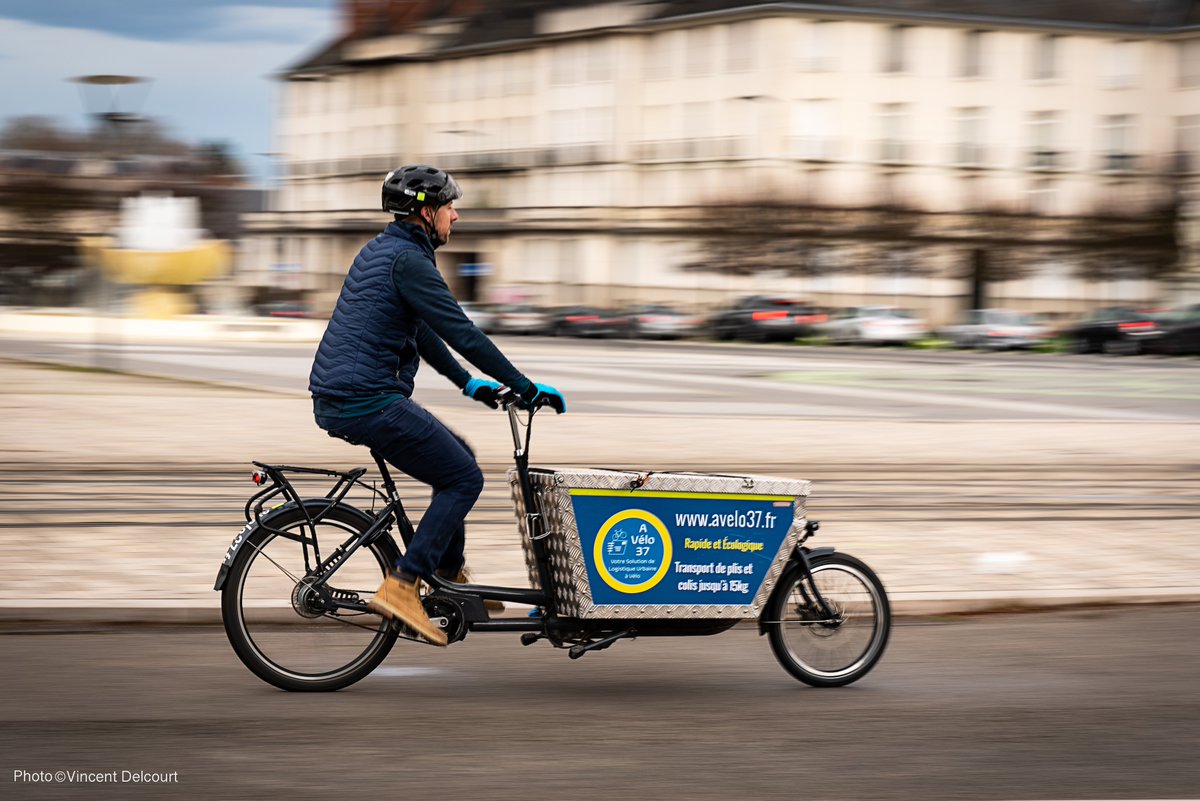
pixel 530 637
pixel 577 651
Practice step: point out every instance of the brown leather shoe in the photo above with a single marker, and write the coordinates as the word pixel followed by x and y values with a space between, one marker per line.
pixel 399 600
pixel 464 577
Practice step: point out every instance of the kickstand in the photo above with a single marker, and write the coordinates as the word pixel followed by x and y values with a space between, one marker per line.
pixel 581 649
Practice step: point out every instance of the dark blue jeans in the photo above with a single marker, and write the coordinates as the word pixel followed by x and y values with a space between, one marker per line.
pixel 416 443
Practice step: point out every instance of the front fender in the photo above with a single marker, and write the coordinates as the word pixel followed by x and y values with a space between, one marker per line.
pixel 803 558
pixel 813 553
pixel 315 507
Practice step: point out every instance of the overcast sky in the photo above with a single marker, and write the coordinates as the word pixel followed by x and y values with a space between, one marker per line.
pixel 211 61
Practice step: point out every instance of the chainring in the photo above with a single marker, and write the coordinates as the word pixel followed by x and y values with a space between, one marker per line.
pixel 455 622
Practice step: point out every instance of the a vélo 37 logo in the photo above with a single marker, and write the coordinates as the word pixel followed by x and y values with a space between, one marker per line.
pixel 236 542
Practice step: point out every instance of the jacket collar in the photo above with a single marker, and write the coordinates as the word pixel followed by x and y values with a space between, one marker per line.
pixel 413 233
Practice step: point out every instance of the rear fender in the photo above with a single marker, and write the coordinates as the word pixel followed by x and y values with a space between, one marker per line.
pixel 315 506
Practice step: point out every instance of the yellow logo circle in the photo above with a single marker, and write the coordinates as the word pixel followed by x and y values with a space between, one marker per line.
pixel 599 552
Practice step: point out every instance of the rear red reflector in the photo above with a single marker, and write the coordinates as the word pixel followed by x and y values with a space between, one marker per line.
pixel 259 477
pixel 582 319
pixel 771 315
pixel 1135 326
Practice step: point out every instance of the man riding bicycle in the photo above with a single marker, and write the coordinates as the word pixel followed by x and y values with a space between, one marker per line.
pixel 394 310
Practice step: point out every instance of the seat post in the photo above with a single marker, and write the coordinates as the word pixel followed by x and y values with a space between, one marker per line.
pixel 386 475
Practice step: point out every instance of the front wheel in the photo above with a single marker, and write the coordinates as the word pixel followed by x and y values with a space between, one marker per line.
pixel 828 650
pixel 283 629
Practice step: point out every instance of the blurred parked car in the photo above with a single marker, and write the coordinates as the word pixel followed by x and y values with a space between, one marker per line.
pixel 284 308
pixel 765 319
pixel 650 321
pixel 588 321
pixel 874 324
pixel 483 316
pixel 996 328
pixel 1180 332
pixel 519 318
pixel 1119 330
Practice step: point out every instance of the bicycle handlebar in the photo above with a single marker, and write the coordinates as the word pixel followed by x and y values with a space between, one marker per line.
pixel 506 397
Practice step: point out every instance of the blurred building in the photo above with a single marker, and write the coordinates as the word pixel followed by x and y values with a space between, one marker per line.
pixel 939 155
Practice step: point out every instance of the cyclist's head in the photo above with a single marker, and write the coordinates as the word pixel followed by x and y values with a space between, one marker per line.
pixel 425 196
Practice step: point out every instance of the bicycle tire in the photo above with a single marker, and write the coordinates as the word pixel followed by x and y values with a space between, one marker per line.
pixel 804 646
pixel 250 647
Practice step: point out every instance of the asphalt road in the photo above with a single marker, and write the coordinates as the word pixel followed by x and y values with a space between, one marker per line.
pixel 698 378
pixel 1088 704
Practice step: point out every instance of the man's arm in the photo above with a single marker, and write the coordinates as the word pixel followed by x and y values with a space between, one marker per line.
pixel 433 350
pixel 421 286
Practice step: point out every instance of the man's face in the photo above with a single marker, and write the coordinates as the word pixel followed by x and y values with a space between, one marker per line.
pixel 443 220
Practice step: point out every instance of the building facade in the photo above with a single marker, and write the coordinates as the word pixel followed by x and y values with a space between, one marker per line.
pixel 1024 153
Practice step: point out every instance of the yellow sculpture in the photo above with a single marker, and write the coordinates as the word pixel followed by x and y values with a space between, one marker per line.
pixel 159 248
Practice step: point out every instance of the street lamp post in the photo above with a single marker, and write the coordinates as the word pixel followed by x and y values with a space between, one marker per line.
pixel 106 99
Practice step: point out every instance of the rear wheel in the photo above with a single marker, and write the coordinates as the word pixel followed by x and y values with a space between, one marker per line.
pixel 825 650
pixel 282 628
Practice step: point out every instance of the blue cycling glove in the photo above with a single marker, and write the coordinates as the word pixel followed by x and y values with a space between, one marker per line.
pixel 543 394
pixel 482 390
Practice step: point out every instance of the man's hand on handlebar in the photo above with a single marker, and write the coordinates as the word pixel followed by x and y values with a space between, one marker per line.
pixel 535 397
pixel 484 391
pixel 496 396
pixel 539 395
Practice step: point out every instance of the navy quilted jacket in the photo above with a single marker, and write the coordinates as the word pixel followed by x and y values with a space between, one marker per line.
pixel 395 309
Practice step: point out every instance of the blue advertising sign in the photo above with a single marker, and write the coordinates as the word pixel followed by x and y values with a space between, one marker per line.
pixel 679 547
pixel 474 268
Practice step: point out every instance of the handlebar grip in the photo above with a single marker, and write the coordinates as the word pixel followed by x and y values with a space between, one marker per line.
pixel 555 402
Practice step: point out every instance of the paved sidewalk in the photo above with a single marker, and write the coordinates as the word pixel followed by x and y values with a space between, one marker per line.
pixel 1025 549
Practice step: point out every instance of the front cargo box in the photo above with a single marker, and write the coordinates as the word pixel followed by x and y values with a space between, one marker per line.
pixel 662 545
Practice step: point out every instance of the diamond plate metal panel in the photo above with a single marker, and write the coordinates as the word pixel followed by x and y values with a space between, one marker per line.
pixel 568 570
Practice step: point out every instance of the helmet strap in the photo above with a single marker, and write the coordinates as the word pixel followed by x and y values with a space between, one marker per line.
pixel 430 225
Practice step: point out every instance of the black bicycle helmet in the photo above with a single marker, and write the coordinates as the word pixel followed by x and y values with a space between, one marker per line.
pixel 405 189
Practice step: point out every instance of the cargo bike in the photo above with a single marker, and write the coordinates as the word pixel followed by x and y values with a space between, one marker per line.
pixel 612 555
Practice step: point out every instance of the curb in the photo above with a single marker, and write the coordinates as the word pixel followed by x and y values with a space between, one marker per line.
pixel 904 605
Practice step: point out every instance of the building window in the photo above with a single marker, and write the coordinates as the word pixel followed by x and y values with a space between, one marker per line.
pixel 1187 143
pixel 812 129
pixel 741 53
pixel 895 48
pixel 817 46
pixel 970 193
pixel 1116 137
pixel 516 75
pixel 971 65
pixel 893 132
pixel 660 60
pixel 657 123
pixel 566 65
pixel 1043 140
pixel 968 149
pixel 1043 197
pixel 699 51
pixel 698 120
pixel 1189 63
pixel 1045 57
pixel 599 61
pixel 491 76
pixel 1120 65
